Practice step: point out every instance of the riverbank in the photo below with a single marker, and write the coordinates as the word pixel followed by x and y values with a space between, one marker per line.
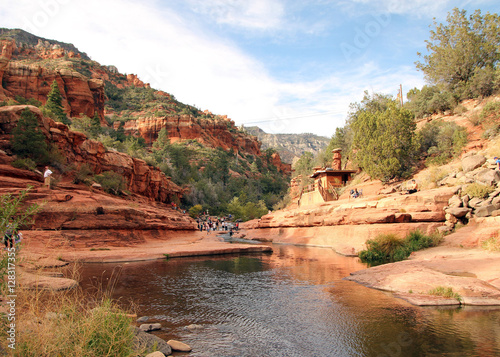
pixel 458 263
pixel 38 254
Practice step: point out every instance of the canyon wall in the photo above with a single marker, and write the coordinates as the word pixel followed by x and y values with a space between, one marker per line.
pixel 345 225
pixel 141 178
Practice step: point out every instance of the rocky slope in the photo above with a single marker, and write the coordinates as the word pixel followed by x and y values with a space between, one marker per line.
pixel 29 65
pixel 141 178
pixel 289 146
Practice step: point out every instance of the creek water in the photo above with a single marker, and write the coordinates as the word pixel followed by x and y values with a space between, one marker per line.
pixel 293 302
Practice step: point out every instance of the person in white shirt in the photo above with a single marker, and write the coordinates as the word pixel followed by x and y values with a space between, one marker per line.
pixel 47 176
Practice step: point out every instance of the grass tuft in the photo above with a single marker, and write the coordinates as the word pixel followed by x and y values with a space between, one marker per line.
pixel 445 292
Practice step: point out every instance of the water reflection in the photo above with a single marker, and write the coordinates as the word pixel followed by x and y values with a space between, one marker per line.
pixel 291 303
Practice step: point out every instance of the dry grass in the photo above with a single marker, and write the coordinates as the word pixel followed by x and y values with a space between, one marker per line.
pixel 71 324
pixel 492 244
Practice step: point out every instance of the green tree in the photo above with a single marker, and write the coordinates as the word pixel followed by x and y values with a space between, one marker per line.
pixel 384 139
pixel 54 104
pixel 27 139
pixel 459 48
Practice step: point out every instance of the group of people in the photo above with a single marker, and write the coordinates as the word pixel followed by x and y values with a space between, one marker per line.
pixel 355 193
pixel 217 224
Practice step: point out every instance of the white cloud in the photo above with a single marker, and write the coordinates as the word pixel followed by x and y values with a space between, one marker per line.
pixel 255 14
pixel 197 67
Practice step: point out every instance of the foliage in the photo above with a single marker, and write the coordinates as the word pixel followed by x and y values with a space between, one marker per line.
pixel 195 210
pixel 384 138
pixel 83 174
pixel 91 127
pixel 54 104
pixel 386 248
pixel 13 215
pixel 245 210
pixel 491 112
pixel 76 327
pixel 445 292
pixel 27 139
pixel 442 141
pixel 478 190
pixel 462 52
pixel 25 163
pixel 111 182
pixel 492 244
pixel 303 169
pixel 429 100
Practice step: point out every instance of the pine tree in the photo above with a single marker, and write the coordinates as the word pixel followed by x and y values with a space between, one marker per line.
pixel 27 139
pixel 54 104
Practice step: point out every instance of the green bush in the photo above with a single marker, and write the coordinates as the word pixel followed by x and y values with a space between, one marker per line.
pixel 442 141
pixel 111 182
pixel 491 111
pixel 478 190
pixel 195 211
pixel 28 141
pixel 387 248
pixel 83 174
pixel 26 164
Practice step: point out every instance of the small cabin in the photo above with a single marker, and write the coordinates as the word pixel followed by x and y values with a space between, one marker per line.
pixel 325 182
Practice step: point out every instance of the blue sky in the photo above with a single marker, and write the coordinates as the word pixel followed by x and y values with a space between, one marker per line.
pixel 287 66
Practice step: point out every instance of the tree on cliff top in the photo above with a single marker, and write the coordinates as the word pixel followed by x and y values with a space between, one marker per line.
pixel 462 51
pixel 54 104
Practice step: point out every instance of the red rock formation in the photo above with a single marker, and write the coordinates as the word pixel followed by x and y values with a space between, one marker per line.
pixel 80 95
pixel 210 132
pixel 136 82
pixel 141 178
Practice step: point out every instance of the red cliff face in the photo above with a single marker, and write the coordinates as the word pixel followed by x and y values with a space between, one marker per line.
pixel 80 94
pixel 141 178
pixel 216 132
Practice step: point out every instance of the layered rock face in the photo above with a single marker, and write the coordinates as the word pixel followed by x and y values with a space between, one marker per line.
pixel 80 94
pixel 210 132
pixel 345 225
pixel 141 178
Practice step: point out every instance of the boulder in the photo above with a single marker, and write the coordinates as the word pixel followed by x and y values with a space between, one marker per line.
pixel 150 327
pixel 472 162
pixel 179 346
pixel 146 341
pixel 455 201
pixel 485 211
pixel 475 202
pixel 496 202
pixel 489 178
pixel 458 211
pixel 155 354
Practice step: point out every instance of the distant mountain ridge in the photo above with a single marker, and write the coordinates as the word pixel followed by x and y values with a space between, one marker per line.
pixel 290 146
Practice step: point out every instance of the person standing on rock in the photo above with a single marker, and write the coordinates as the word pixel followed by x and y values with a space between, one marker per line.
pixel 47 175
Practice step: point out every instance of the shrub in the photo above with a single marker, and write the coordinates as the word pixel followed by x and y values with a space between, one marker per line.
pixel 386 248
pixel 491 111
pixel 492 244
pixel 26 164
pixel 195 211
pixel 83 174
pixel 445 292
pixel 478 190
pixel 70 326
pixel 111 182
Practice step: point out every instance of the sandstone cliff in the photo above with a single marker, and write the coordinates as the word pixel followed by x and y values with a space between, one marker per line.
pixel 141 178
